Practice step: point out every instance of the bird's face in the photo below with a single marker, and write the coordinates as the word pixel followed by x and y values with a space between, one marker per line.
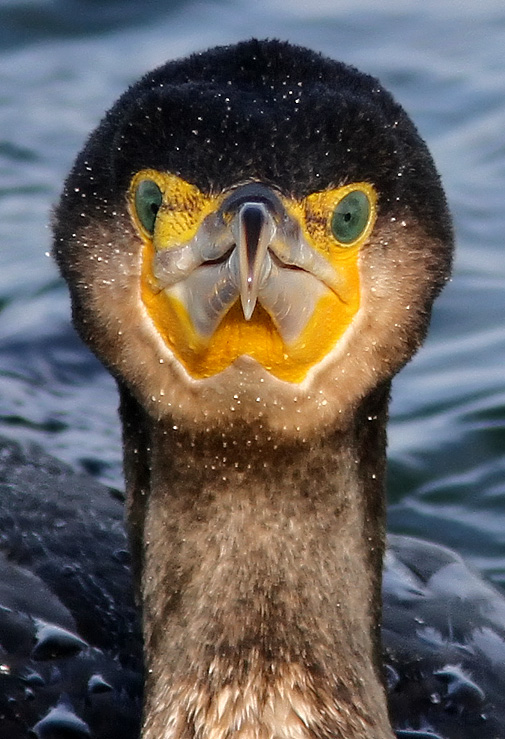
pixel 254 234
pixel 249 271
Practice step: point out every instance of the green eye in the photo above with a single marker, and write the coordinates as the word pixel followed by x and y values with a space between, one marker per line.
pixel 350 217
pixel 148 199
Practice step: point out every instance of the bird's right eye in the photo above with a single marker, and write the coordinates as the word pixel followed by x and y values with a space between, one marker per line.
pixel 148 199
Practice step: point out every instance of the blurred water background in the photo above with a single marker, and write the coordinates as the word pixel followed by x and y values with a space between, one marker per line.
pixel 63 62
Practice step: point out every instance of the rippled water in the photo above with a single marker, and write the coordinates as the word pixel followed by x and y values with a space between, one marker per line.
pixel 63 62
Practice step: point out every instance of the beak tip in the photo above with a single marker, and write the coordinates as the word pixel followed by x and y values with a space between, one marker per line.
pixel 248 306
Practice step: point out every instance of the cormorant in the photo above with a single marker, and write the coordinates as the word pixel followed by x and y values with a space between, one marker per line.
pixel 253 238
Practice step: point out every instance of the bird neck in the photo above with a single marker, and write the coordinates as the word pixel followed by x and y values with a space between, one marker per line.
pixel 260 575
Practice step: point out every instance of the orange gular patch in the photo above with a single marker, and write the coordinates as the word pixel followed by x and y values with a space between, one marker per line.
pixel 259 338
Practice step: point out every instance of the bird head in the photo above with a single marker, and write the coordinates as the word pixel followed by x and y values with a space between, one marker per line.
pixel 254 233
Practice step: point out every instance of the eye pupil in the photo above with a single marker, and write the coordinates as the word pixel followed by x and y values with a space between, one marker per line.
pixel 350 217
pixel 148 198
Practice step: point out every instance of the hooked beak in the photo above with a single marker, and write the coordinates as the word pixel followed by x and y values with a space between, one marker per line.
pixel 255 229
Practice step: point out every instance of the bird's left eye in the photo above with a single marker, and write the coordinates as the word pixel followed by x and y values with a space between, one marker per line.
pixel 350 217
pixel 148 198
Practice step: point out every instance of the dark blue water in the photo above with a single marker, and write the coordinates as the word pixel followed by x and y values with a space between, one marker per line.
pixel 63 62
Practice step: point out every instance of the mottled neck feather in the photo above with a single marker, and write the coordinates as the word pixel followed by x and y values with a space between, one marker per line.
pixel 260 569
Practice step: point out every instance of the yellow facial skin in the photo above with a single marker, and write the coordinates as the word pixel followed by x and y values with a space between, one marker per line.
pixel 182 212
